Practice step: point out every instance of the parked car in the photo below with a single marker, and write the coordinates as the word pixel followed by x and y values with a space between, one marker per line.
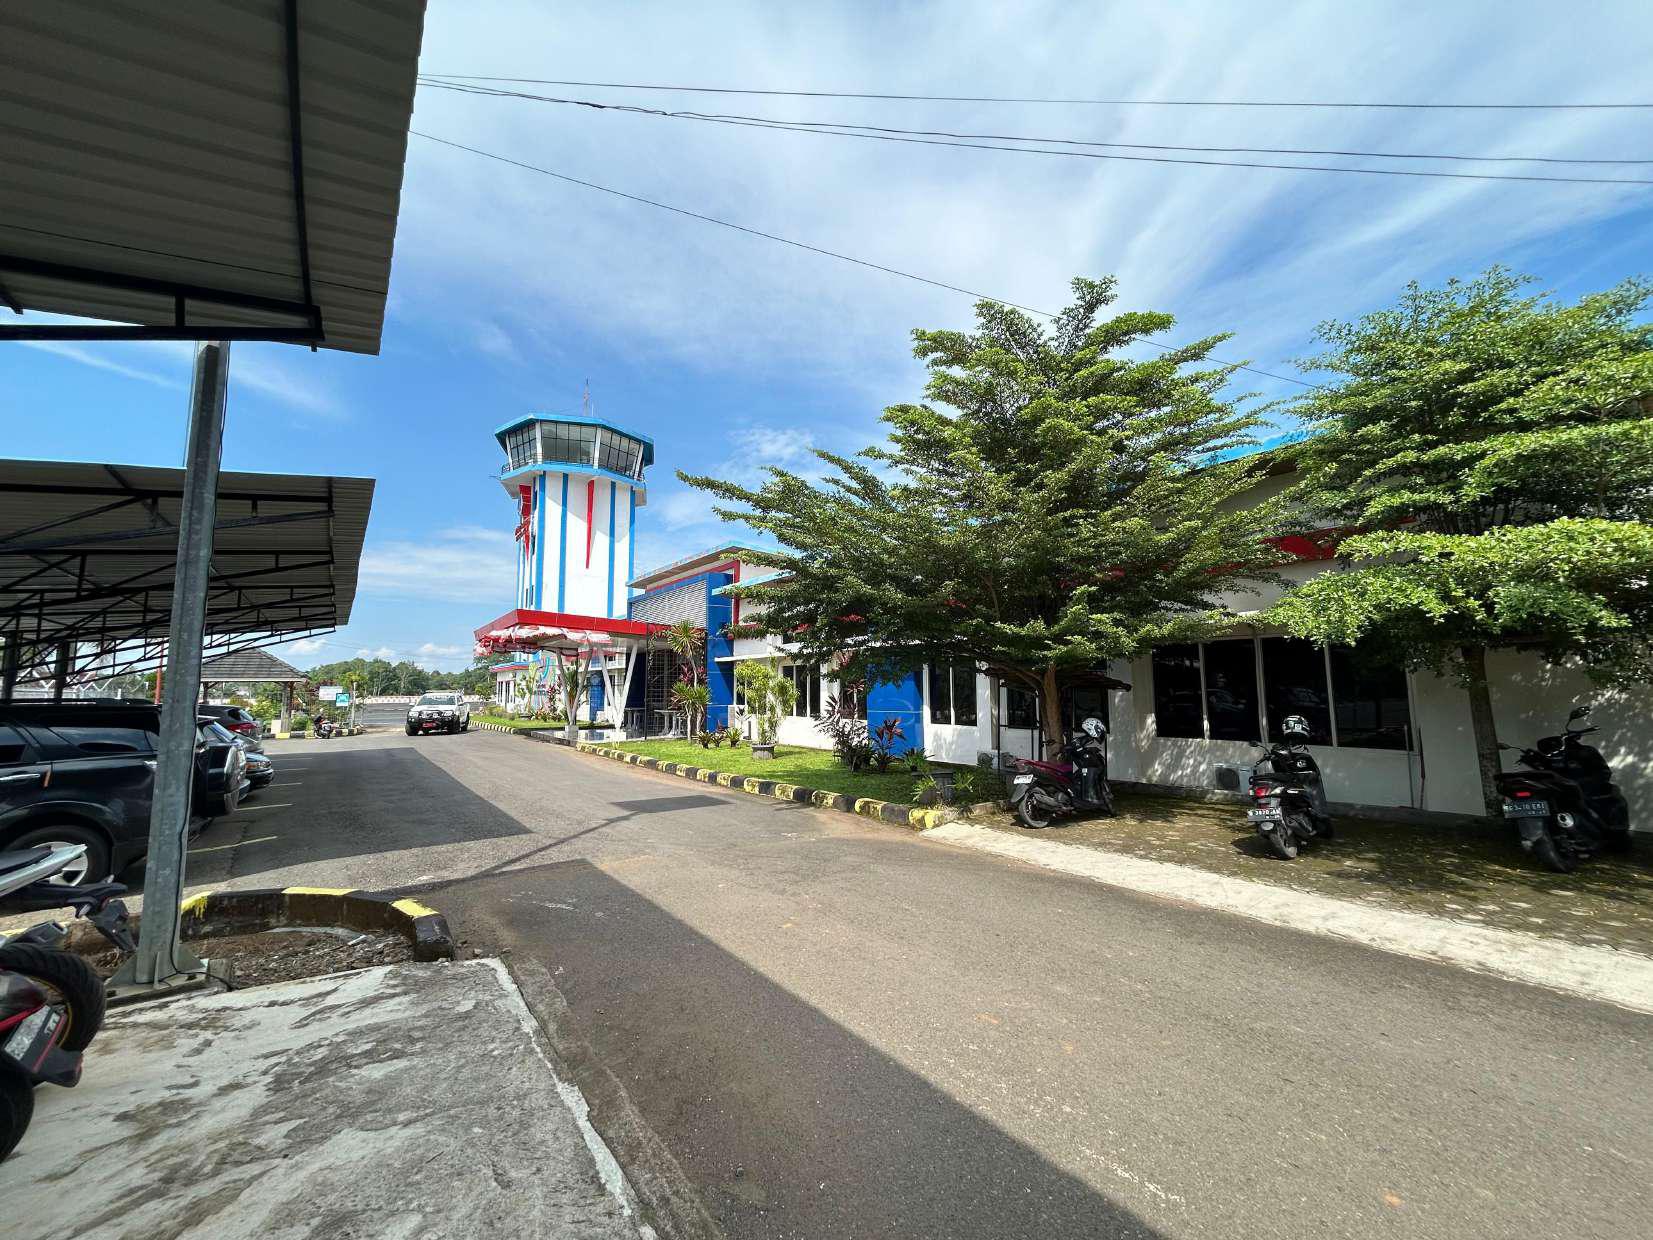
pixel 84 773
pixel 439 712
pixel 237 719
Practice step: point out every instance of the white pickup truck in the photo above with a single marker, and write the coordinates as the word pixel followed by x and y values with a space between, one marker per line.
pixel 443 711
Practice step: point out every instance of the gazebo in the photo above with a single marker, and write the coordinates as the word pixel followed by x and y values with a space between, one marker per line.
pixel 254 666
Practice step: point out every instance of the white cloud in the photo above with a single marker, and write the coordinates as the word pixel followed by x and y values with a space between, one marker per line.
pixel 306 645
pixel 383 652
pixel 86 357
pixel 463 564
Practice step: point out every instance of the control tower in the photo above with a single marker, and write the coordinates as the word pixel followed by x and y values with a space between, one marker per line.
pixel 577 482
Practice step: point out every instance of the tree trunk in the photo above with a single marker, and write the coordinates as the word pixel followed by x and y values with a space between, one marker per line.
pixel 1050 712
pixel 1486 731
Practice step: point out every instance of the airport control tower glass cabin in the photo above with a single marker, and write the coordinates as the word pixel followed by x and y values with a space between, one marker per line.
pixel 577 482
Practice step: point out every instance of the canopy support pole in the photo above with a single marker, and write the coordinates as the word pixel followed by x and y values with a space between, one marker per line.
pixel 161 965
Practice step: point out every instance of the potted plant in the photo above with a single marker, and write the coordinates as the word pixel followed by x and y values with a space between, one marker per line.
pixel 769 695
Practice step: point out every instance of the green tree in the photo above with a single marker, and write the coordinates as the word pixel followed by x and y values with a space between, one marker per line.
pixel 1491 452
pixel 691 694
pixel 1058 504
pixel 769 695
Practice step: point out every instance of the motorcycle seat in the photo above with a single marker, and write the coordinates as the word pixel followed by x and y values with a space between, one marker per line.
pixel 17 858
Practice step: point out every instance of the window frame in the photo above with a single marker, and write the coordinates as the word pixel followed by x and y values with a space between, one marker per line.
pixel 1334 741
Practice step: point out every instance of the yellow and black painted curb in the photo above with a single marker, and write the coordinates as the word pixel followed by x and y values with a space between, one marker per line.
pixel 263 908
pixel 867 807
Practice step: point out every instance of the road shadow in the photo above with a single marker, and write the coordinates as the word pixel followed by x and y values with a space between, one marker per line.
pixel 785 1122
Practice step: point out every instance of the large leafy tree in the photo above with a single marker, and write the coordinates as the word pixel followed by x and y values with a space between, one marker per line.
pixel 1491 452
pixel 1055 504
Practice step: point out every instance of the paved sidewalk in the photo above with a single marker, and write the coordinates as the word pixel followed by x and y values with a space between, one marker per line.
pixel 1469 873
pixel 410 1101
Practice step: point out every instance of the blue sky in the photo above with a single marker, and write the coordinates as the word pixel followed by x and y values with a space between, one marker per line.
pixel 510 290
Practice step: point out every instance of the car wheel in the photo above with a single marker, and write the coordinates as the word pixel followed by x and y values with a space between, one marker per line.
pixel 92 868
pixel 466 726
pixel 409 729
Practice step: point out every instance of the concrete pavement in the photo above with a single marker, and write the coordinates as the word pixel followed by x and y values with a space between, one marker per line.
pixel 795 1023
pixel 407 1101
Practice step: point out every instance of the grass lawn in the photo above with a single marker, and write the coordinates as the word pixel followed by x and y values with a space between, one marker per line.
pixel 792 764
pixel 521 725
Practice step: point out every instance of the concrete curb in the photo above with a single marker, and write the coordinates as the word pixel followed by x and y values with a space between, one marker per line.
pixel 866 807
pixel 266 907
pixel 1604 973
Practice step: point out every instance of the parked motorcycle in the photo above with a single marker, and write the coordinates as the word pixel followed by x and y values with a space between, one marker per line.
pixel 1041 792
pixel 51 1001
pixel 1562 799
pixel 1288 793
pixel 325 729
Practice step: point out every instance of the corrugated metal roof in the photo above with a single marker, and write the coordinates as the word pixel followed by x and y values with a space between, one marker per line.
pixel 154 141
pixel 247 666
pixel 89 550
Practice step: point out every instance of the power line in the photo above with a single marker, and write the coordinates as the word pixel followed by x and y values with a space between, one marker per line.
pixel 860 130
pixel 813 249
pixel 1123 103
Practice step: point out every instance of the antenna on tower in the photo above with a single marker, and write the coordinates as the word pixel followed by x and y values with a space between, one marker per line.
pixel 586 402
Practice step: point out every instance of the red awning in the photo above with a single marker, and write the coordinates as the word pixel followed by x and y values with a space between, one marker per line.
pixel 525 629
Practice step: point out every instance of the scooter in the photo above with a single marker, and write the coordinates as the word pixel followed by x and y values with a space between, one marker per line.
pixel 1041 792
pixel 51 1001
pixel 1289 796
pixel 1562 799
pixel 325 730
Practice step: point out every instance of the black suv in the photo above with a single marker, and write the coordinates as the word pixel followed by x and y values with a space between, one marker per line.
pixel 83 772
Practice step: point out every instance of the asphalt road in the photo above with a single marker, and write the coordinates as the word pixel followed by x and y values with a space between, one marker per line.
pixel 791 1022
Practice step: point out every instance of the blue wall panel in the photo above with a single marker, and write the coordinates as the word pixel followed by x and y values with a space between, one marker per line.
pixel 903 701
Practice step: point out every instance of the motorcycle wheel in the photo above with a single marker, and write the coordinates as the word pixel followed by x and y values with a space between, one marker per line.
pixel 1282 841
pixel 76 983
pixel 1035 817
pixel 16 1109
pixel 1561 860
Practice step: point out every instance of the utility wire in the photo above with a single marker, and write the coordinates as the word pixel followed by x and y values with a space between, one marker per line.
pixel 1123 103
pixel 813 249
pixel 834 126
pixel 796 127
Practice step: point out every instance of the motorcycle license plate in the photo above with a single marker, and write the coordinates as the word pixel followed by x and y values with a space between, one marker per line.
pixel 1022 779
pixel 1269 813
pixel 1526 809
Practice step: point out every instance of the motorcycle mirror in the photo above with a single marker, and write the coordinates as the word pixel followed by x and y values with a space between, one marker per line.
pixel 1579 712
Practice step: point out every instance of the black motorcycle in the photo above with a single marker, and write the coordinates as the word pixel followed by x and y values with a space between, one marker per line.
pixel 1288 795
pixel 1041 792
pixel 1562 799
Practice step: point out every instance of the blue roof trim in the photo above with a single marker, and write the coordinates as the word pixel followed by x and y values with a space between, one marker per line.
pixel 581 420
pixel 569 467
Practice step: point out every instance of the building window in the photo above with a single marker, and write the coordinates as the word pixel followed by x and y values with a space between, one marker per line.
pixel 1369 701
pixel 1294 671
pixel 620 454
pixel 1084 702
pixel 568 442
pixel 1231 690
pixel 953 694
pixel 941 693
pixel 806 685
pixel 1177 710
pixel 1021 708
pixel 964 695
pixel 519 447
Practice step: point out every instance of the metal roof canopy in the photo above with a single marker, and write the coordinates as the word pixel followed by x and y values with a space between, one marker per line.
pixel 213 170
pixel 90 556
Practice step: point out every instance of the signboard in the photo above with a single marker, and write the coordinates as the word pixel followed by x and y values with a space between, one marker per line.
pixel 341 699
pixel 328 692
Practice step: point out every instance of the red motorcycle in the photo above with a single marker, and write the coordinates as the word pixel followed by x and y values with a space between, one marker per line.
pixel 1041 792
pixel 51 1001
